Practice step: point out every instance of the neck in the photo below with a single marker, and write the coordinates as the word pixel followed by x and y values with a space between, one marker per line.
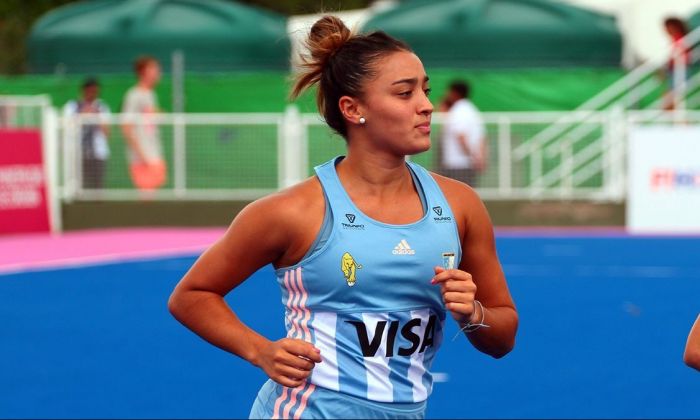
pixel 372 171
pixel 144 85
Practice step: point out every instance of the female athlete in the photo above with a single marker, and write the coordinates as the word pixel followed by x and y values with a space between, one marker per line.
pixel 370 254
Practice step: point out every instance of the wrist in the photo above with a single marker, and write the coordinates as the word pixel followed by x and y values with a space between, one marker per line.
pixel 257 344
pixel 476 319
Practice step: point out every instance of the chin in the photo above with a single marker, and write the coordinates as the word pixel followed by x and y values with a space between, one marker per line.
pixel 419 146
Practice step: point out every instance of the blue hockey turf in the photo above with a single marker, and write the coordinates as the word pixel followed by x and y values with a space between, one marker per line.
pixel 603 327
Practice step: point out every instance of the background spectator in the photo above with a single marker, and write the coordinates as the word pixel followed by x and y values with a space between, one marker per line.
pixel 463 149
pixel 144 150
pixel 93 136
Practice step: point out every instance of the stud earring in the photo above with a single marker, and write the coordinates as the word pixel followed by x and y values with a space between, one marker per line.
pixel 362 120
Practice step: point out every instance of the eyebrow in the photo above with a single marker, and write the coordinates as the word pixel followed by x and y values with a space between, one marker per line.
pixel 411 81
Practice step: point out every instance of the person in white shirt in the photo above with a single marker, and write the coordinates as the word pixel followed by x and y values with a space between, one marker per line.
pixel 463 151
pixel 93 137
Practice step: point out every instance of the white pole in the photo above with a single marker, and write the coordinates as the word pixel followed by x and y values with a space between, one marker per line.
pixel 49 135
pixel 180 155
pixel 505 162
pixel 292 166
pixel 178 80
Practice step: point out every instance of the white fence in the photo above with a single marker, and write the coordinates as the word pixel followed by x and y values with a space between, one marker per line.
pixel 536 155
pixel 245 156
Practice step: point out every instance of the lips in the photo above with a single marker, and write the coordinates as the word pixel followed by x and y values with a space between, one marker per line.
pixel 424 127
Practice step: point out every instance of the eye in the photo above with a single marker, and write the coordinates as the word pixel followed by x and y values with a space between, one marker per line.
pixel 427 91
pixel 405 94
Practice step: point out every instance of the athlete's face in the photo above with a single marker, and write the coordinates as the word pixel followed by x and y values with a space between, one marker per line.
pixel 395 105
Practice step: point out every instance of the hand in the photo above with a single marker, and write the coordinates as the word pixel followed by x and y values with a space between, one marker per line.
pixel 458 290
pixel 288 361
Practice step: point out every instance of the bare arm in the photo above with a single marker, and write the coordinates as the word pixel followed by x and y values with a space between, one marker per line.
pixel 131 142
pixel 479 277
pixel 691 357
pixel 252 241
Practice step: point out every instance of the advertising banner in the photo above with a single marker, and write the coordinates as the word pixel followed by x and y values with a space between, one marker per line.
pixel 664 180
pixel 23 193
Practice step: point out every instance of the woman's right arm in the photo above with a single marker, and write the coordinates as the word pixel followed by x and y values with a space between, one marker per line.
pixel 255 238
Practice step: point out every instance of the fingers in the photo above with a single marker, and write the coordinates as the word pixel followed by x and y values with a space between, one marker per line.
pixel 293 373
pixel 457 297
pixel 466 309
pixel 302 348
pixel 288 382
pixel 443 275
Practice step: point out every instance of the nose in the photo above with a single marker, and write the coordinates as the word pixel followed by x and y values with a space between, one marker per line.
pixel 425 107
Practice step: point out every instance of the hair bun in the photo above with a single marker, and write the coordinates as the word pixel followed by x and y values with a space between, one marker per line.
pixel 327 36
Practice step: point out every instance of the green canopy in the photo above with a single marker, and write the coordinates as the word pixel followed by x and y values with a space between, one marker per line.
pixel 503 33
pixel 106 36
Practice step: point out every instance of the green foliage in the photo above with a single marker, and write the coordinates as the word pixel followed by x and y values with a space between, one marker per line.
pixel 16 20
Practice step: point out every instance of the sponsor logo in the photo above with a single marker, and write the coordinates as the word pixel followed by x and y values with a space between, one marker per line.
pixel 349 267
pixel 352 225
pixel 403 248
pixel 370 347
pixel 672 179
pixel 448 260
pixel 440 218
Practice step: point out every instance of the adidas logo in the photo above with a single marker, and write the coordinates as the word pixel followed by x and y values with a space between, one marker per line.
pixel 403 248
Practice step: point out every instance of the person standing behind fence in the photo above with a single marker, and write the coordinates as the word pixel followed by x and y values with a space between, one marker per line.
pixel 676 30
pixel 93 135
pixel 144 150
pixel 463 144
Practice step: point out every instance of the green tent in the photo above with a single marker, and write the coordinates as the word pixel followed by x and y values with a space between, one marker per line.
pixel 106 35
pixel 503 33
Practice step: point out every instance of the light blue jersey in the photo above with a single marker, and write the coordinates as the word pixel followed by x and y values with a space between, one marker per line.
pixel 363 297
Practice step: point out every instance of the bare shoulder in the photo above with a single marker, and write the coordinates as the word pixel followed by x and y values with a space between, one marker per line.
pixel 288 205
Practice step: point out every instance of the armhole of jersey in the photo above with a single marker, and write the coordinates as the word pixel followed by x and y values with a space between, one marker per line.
pixel 420 188
pixel 324 233
pixel 428 178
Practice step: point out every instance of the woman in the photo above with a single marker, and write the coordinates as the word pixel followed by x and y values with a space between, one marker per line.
pixel 365 251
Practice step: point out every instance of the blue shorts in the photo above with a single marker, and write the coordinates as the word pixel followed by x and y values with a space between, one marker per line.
pixel 312 402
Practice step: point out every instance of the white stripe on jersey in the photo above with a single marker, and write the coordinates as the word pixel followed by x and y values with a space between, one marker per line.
pixel 379 386
pixel 417 369
pixel 325 374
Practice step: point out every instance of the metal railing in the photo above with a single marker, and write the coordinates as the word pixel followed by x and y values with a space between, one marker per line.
pixel 245 156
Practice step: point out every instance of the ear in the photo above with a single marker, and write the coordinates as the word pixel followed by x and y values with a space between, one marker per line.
pixel 351 109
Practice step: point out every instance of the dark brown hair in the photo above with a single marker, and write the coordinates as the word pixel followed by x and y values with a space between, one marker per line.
pixel 679 24
pixel 142 62
pixel 339 62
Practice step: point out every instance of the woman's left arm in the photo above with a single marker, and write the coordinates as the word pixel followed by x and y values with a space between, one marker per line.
pixel 691 357
pixel 480 278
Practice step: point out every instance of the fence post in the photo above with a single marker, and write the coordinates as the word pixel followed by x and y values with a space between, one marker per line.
pixel 618 140
pixel 177 74
pixel 49 134
pixel 68 152
pixel 179 155
pixel 291 153
pixel 505 163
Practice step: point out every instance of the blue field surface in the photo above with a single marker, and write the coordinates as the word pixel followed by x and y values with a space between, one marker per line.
pixel 603 326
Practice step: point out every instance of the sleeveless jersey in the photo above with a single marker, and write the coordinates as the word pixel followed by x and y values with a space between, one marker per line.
pixel 365 300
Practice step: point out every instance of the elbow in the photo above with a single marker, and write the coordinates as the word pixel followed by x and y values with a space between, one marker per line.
pixel 692 358
pixel 174 304
pixel 503 350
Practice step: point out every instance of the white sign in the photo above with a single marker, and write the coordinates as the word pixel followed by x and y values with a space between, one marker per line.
pixel 664 180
